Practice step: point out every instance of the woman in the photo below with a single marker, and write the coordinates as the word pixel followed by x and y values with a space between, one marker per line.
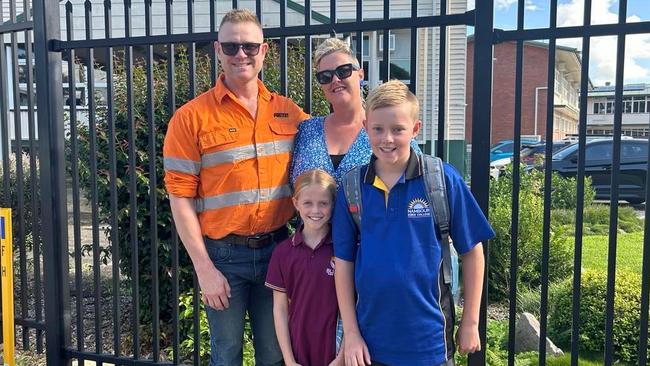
pixel 337 142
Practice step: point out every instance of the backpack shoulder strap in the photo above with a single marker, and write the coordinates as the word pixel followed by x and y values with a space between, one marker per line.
pixel 434 182
pixel 352 191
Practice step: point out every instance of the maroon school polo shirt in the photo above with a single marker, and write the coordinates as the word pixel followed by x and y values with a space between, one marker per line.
pixel 307 277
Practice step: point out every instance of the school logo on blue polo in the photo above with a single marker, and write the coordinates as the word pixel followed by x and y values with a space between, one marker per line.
pixel 418 207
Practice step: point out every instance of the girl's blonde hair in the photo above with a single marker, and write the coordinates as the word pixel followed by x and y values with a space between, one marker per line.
pixel 314 176
pixel 333 45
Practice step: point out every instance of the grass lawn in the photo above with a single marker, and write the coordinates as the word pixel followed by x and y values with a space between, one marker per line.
pixel 629 252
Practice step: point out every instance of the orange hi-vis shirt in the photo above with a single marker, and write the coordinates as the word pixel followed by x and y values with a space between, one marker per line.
pixel 235 167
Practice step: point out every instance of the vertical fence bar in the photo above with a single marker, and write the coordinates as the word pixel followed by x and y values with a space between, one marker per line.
pixel 284 83
pixel 481 112
pixel 92 128
pixel 36 250
pixel 613 205
pixel 4 123
pixel 414 50
pixel 546 236
pixel 235 4
pixel 332 17
pixel 74 165
pixel 384 70
pixel 213 52
pixel 442 87
pixel 582 139
pixel 153 196
pixel 196 288
pixel 20 189
pixel 516 175
pixel 645 279
pixel 308 65
pixel 171 105
pixel 133 205
pixel 53 192
pixel 115 239
pixel 258 10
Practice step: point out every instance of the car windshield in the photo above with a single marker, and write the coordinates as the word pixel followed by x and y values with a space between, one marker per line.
pixel 564 152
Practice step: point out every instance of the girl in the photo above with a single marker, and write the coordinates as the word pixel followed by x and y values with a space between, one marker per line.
pixel 301 274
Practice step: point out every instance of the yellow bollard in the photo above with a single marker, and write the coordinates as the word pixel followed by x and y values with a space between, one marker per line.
pixel 7 274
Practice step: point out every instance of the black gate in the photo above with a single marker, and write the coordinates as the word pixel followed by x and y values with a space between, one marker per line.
pixel 103 92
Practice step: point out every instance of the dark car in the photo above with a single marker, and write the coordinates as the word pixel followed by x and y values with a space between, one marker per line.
pixel 530 152
pixel 598 166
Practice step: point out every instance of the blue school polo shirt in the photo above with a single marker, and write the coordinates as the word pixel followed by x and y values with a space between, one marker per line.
pixel 398 261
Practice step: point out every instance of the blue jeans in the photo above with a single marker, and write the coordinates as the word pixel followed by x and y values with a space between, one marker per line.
pixel 245 269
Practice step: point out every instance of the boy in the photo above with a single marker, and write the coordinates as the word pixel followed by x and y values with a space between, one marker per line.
pixel 400 316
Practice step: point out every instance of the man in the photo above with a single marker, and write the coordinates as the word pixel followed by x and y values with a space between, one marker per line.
pixel 227 154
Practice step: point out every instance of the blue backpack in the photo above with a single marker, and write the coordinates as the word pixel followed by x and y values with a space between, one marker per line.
pixel 434 182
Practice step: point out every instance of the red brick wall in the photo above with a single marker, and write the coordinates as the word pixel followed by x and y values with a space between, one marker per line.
pixel 503 85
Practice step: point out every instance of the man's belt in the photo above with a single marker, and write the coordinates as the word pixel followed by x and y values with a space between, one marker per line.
pixel 258 240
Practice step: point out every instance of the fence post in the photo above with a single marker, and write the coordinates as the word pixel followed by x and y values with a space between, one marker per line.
pixel 53 191
pixel 482 113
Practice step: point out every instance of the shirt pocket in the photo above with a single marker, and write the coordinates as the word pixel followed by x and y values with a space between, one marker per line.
pixel 217 140
pixel 283 138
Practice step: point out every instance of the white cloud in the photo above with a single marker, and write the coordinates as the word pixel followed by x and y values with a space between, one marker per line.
pixel 602 65
pixel 531 6
pixel 504 4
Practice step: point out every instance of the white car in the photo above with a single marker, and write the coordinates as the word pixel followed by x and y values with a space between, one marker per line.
pixel 497 166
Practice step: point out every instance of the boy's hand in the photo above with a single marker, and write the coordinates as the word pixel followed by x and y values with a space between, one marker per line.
pixel 339 360
pixel 356 351
pixel 467 338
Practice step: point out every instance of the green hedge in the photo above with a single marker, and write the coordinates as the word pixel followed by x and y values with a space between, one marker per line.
pixel 593 297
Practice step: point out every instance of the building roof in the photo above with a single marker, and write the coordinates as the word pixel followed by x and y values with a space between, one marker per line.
pixel 629 89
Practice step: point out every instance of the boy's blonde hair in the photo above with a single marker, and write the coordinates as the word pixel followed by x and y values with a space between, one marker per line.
pixel 314 176
pixel 333 45
pixel 390 94
pixel 236 16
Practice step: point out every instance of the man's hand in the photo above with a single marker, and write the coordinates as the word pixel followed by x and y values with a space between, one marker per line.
pixel 215 291
pixel 356 351
pixel 467 338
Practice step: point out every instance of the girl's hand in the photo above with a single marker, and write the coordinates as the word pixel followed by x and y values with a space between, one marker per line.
pixel 356 351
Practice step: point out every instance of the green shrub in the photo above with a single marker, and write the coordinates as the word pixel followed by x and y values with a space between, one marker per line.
pixel 529 243
pixel 592 313
pixel 142 171
pixel 565 192
pixel 12 199
pixel 596 219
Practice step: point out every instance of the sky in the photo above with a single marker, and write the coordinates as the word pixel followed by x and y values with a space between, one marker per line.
pixel 602 63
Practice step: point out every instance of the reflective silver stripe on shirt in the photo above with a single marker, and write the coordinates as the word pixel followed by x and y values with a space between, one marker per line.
pixel 243 198
pixel 182 165
pixel 246 152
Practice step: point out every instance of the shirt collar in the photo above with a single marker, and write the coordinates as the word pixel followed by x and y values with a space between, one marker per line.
pixel 413 168
pixel 221 90
pixel 298 239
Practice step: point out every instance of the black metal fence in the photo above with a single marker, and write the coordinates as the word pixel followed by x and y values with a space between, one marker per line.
pixel 104 93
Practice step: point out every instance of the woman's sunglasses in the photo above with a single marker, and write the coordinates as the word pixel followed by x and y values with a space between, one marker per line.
pixel 232 48
pixel 342 72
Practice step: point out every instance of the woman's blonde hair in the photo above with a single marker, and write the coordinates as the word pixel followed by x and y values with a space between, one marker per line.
pixel 333 45
pixel 315 176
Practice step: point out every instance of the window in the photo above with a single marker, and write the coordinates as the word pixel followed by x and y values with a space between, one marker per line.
pixel 391 42
pixel 635 150
pixel 602 151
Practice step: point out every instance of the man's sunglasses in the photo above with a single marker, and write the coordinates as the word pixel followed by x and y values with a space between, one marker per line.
pixel 232 48
pixel 342 72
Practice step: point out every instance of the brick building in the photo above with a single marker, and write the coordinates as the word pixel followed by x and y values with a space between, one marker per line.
pixel 534 90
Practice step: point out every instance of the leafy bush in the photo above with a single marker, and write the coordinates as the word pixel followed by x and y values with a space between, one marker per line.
pixel 596 219
pixel 11 198
pixel 529 243
pixel 141 171
pixel 565 192
pixel 592 313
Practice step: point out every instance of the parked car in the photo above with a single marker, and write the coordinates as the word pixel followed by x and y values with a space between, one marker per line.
pixel 598 166
pixel 530 152
pixel 498 166
pixel 505 148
